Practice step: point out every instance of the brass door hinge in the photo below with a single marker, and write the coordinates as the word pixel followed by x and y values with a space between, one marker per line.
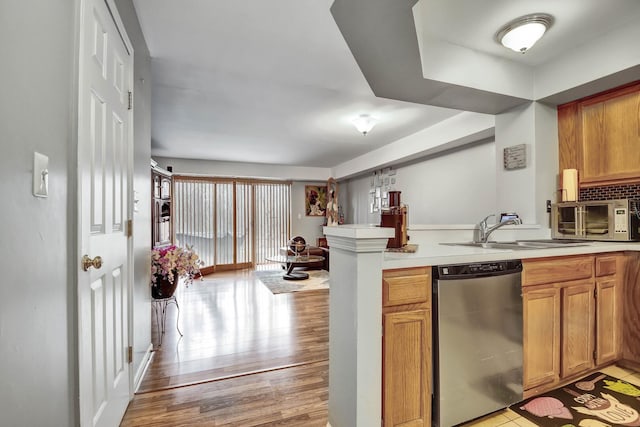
pixel 129 228
pixel 130 101
pixel 130 354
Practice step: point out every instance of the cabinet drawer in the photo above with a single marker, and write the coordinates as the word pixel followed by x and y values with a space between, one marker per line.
pixel 406 286
pixel 606 265
pixel 538 272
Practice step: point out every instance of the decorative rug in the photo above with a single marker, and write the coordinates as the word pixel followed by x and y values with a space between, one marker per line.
pixel 272 279
pixel 598 400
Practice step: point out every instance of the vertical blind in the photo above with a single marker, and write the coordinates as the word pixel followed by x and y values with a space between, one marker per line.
pixel 194 210
pixel 273 219
pixel 224 236
pixel 232 222
pixel 244 220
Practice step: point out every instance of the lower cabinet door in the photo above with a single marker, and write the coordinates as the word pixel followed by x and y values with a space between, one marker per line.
pixel 578 309
pixel 407 368
pixel 541 353
pixel 631 310
pixel 608 310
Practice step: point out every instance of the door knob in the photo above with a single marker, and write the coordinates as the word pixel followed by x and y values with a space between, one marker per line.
pixel 87 262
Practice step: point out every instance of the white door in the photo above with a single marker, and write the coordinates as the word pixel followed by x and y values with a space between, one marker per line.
pixel 104 164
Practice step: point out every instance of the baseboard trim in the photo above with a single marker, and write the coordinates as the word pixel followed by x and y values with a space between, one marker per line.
pixel 142 369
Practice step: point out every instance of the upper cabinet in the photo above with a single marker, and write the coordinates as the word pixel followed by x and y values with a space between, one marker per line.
pixel 600 137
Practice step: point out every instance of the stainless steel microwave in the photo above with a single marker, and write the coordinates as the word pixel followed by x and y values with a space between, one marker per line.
pixel 617 220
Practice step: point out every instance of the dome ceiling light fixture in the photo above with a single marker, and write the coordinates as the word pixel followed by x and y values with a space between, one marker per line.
pixel 522 33
pixel 364 123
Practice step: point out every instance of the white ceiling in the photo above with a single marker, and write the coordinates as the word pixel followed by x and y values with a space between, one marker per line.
pixel 275 82
pixel 474 23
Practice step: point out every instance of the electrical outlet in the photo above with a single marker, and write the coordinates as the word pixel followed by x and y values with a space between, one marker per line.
pixel 548 206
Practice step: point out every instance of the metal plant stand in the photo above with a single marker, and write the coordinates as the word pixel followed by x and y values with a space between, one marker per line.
pixel 160 308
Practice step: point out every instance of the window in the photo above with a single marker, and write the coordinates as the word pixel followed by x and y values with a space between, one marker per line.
pixel 232 223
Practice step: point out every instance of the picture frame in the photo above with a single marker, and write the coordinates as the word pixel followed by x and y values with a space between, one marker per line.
pixel 315 200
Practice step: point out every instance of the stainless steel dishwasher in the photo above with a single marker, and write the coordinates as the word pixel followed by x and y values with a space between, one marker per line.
pixel 477 329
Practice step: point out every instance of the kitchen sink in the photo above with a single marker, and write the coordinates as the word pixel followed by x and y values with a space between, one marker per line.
pixel 493 245
pixel 556 242
pixel 521 244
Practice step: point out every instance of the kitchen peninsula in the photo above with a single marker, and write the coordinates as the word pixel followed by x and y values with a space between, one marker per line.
pixel 356 308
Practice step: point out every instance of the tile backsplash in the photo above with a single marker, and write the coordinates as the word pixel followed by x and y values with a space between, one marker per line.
pixel 610 192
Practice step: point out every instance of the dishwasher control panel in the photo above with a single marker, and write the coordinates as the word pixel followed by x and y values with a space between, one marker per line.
pixel 478 269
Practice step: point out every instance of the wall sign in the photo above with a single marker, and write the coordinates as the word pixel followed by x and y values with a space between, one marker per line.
pixel 515 157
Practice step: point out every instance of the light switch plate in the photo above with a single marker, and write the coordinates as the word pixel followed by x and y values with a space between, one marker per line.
pixel 40 175
pixel 136 200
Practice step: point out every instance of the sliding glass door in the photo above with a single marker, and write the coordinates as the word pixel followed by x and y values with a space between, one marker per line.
pixel 231 223
pixel 233 213
pixel 272 213
pixel 194 209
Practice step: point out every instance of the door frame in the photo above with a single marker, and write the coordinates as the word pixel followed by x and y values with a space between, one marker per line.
pixel 79 242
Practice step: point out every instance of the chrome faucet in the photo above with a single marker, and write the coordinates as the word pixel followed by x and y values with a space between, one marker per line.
pixel 485 231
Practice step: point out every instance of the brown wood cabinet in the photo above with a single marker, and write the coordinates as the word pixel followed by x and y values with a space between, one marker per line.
pixel 631 311
pixel 571 317
pixel 609 276
pixel 578 311
pixel 554 270
pixel 541 336
pixel 599 136
pixel 406 347
pixel 161 208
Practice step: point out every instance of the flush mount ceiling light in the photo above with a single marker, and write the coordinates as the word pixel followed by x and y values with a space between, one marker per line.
pixel 522 33
pixel 364 123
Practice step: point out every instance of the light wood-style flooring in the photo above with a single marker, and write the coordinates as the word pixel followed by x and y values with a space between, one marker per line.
pixel 247 358
pixel 251 358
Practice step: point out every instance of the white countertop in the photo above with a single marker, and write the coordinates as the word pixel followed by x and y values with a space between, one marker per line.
pixel 437 254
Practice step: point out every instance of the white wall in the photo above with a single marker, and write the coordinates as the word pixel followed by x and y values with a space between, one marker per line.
pixel 301 225
pixel 141 301
pixel 457 188
pixel 515 189
pixel 38 348
pixel 463 185
pixel 547 160
pixel 454 187
pixel 235 169
pixel 457 131
pixel 526 190
pixel 353 198
pixel 38 312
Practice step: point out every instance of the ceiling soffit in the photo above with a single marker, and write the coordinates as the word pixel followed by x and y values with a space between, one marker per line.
pixel 382 37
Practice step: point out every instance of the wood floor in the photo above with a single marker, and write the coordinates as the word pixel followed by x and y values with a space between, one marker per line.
pixel 250 358
pixel 247 358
